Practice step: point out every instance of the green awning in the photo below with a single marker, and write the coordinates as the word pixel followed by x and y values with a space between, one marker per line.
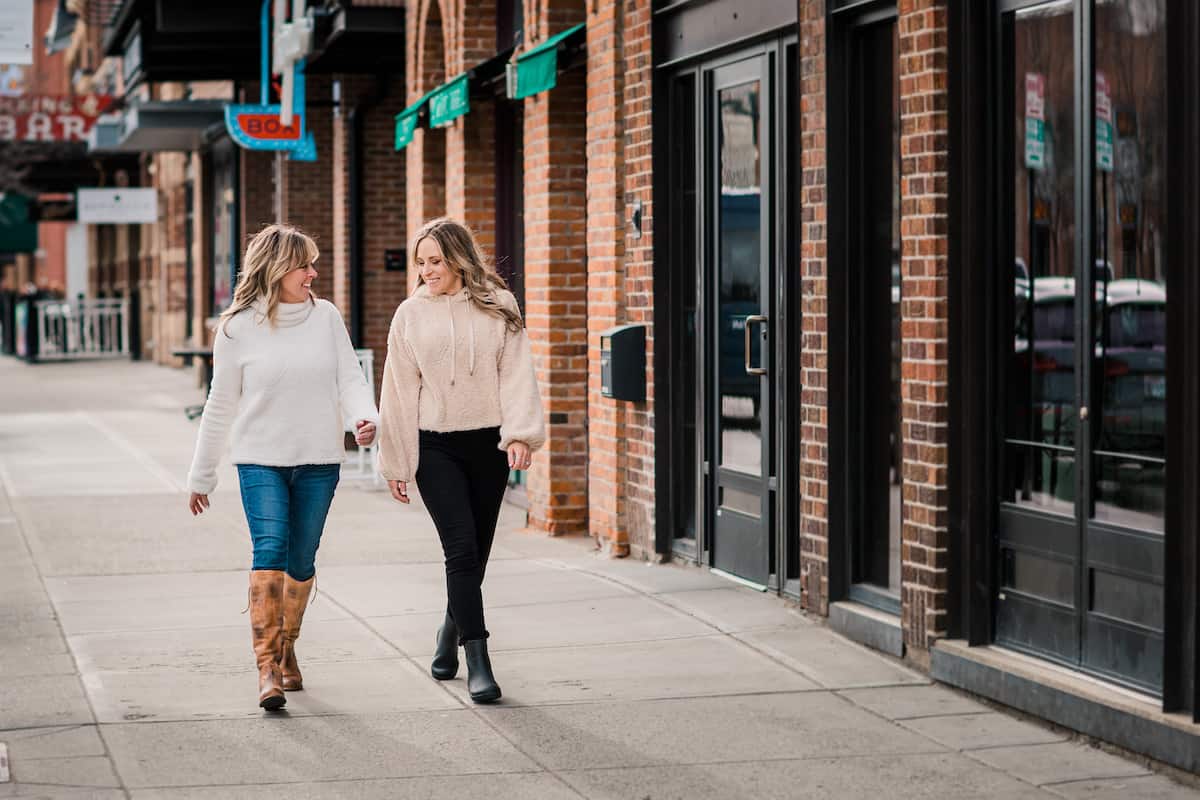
pixel 18 234
pixel 406 122
pixel 449 101
pixel 536 69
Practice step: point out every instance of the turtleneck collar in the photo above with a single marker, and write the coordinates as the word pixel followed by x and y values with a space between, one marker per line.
pixel 287 315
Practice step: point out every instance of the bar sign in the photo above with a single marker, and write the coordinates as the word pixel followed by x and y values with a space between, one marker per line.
pixel 1035 120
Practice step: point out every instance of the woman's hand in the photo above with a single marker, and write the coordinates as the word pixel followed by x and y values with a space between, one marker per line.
pixel 399 490
pixel 365 433
pixel 519 456
pixel 197 503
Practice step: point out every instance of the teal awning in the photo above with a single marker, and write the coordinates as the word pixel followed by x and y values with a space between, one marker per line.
pixel 406 122
pixel 536 69
pixel 18 234
pixel 449 101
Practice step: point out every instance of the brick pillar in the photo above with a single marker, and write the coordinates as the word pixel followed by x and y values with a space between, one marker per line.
pixel 638 274
pixel 924 579
pixel 306 193
pixel 814 348
pixel 256 179
pixel 470 171
pixel 425 156
pixel 556 293
pixel 606 254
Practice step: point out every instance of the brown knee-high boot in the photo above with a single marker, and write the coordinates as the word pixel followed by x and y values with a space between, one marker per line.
pixel 266 599
pixel 295 600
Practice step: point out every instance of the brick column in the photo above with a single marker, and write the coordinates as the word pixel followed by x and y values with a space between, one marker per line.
pixel 306 193
pixel 556 285
pixel 425 156
pixel 924 579
pixel 638 274
pixel 814 348
pixel 470 170
pixel 606 254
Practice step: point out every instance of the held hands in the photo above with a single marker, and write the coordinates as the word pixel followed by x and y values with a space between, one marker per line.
pixel 519 456
pixel 365 433
pixel 197 503
pixel 399 490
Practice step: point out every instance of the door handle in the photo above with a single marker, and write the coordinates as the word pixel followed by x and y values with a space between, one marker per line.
pixel 751 321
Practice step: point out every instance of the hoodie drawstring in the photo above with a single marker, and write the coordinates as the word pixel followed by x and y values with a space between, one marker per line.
pixel 454 343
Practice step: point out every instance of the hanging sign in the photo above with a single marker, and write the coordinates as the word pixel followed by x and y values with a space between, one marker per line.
pixel 1035 120
pixel 116 206
pixel 50 118
pixel 257 127
pixel 449 102
pixel 16 32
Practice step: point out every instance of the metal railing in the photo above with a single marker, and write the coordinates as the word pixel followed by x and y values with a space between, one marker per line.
pixel 83 329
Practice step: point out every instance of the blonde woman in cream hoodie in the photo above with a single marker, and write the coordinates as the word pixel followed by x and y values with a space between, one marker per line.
pixel 286 378
pixel 460 407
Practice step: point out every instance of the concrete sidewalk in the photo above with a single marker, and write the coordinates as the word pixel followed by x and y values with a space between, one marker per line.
pixel 126 668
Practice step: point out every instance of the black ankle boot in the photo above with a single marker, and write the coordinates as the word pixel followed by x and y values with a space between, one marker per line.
pixel 480 681
pixel 445 659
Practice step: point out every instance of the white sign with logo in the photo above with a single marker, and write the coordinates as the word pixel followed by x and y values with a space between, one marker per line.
pixel 16 32
pixel 117 206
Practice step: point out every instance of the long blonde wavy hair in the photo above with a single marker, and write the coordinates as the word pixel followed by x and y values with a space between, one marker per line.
pixel 462 256
pixel 274 251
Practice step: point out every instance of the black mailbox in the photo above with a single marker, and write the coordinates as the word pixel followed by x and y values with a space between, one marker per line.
pixel 623 363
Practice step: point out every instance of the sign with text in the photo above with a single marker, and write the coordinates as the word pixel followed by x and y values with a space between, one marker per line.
pixel 49 118
pixel 1104 124
pixel 1035 120
pixel 16 32
pixel 257 127
pixel 117 206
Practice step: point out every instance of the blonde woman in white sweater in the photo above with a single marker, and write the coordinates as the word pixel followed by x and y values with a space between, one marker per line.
pixel 286 378
pixel 460 408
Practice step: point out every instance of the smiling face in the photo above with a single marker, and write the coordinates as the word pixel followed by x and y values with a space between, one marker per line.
pixel 434 270
pixel 295 286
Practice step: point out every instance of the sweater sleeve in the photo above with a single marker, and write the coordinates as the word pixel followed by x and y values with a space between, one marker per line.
pixel 354 394
pixel 521 417
pixel 219 411
pixel 399 400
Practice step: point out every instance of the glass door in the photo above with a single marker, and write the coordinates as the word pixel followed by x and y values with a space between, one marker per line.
pixel 1081 518
pixel 739 110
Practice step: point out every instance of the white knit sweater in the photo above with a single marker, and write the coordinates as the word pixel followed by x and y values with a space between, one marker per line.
pixel 290 391
pixel 453 366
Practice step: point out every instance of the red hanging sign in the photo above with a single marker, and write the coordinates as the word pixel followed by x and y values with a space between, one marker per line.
pixel 50 118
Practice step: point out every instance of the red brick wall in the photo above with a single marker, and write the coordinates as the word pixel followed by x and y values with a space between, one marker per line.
pixel 814 349
pixel 924 273
pixel 555 181
pixel 425 156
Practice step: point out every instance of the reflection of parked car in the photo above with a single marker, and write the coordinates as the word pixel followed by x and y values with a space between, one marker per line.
pixel 1132 348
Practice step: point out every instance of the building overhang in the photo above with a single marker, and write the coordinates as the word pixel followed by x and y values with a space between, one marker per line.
pixel 158 126
pixel 176 40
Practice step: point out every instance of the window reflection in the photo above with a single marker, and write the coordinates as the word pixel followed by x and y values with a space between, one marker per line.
pixel 739 225
pixel 1129 365
pixel 1041 416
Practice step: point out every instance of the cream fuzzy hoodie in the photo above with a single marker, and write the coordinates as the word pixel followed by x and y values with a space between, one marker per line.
pixel 289 391
pixel 452 366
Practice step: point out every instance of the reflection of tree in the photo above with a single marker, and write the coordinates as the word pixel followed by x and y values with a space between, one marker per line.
pixel 1131 51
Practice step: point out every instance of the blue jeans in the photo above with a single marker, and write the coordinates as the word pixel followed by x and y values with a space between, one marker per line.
pixel 286 509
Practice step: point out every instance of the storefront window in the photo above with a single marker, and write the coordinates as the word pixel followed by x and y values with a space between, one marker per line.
pixel 1129 471
pixel 1042 417
pixel 224 227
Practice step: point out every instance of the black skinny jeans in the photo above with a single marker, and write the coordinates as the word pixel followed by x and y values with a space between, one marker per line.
pixel 462 476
